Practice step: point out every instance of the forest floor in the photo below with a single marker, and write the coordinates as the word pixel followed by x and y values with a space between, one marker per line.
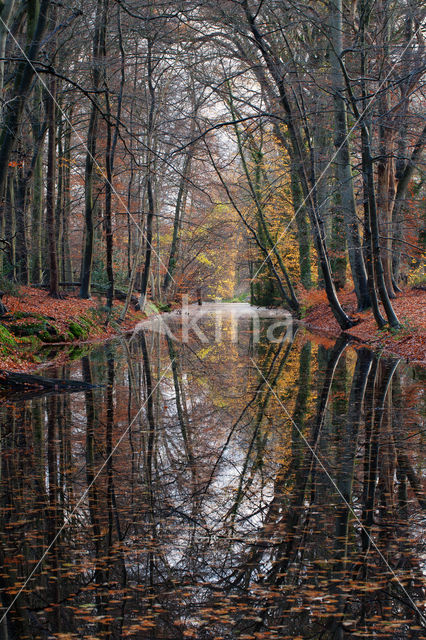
pixel 409 342
pixel 40 330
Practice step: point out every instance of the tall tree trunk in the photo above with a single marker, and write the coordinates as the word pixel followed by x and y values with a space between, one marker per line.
pixel 343 161
pixel 24 180
pixel 89 177
pixel 108 204
pixel 148 238
pixel 9 224
pixel 149 180
pixel 303 231
pixel 110 156
pixel 21 239
pixel 371 220
pixel 179 210
pixel 50 190
pixel 37 191
pixel 386 164
pixel 67 274
pixel 51 176
pixel 59 207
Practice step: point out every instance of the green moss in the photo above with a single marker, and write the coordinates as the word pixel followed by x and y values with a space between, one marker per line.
pixel 78 331
pixel 48 337
pixel 27 328
pixel 7 340
pixel 45 330
pixel 48 333
pixel 18 315
pixel 32 342
pixel 150 308
pixel 163 307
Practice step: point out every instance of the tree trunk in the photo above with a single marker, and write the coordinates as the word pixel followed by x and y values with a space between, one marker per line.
pixel 10 224
pixel 23 80
pixel 386 163
pixel 87 261
pixel 371 220
pixel 21 240
pixel 303 232
pixel 50 190
pixel 6 14
pixel 59 207
pixel 343 161
pixel 179 207
pixel 107 213
pixel 66 271
pixel 149 181
pixel 50 180
pixel 37 126
pixel 148 248
pixel 109 157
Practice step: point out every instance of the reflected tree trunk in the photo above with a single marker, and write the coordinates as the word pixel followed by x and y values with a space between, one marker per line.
pixel 92 424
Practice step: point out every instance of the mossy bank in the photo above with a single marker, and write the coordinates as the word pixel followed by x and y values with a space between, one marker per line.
pixel 36 329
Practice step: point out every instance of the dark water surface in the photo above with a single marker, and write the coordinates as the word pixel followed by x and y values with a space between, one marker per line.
pixel 217 485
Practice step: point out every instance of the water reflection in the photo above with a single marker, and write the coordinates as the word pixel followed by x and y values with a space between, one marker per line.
pixel 229 489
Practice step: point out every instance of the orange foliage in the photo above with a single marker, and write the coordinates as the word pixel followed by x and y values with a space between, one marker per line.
pixel 61 312
pixel 409 342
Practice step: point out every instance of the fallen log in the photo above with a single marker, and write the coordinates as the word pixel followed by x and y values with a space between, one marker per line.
pixel 9 380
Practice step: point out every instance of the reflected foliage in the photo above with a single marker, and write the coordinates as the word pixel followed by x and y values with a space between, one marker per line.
pixel 228 489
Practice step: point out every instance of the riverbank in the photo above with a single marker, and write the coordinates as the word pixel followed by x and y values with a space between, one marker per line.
pixel 39 330
pixel 409 342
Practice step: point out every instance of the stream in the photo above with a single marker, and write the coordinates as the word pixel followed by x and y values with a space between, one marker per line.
pixel 230 476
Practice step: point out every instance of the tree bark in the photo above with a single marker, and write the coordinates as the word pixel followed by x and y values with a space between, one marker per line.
pixel 149 180
pixel 37 189
pixel 6 14
pixel 89 177
pixel 303 231
pixel 343 161
pixel 23 79
pixel 50 183
pixel 371 225
pixel 66 271
pixel 386 164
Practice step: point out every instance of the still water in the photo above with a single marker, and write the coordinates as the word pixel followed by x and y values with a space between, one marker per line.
pixel 228 476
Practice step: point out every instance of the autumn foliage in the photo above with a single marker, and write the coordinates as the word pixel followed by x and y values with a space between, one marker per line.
pixel 409 342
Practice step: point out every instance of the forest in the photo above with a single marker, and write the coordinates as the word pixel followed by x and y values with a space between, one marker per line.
pixel 237 149
pixel 212 336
